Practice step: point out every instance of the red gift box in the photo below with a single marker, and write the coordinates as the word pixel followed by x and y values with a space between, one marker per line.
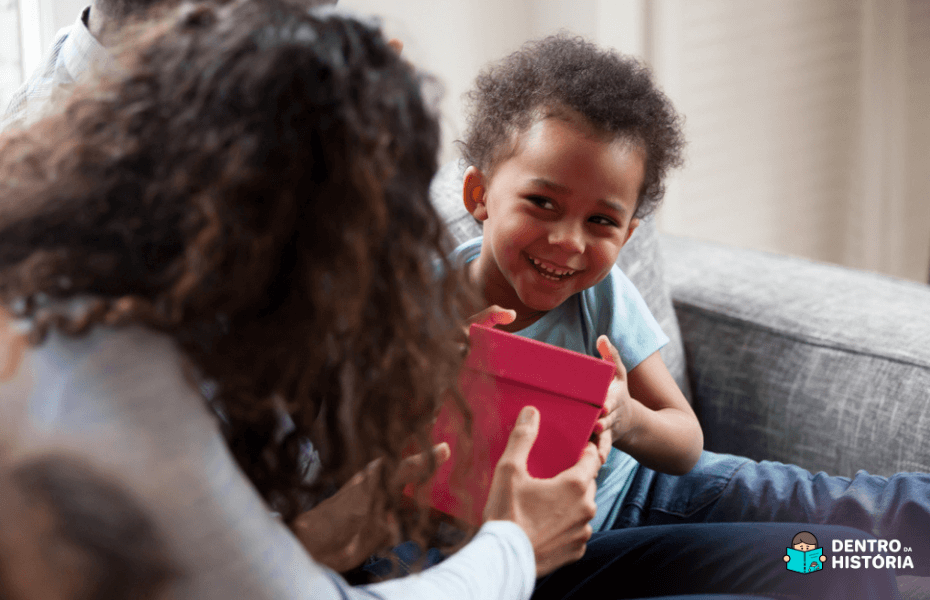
pixel 503 373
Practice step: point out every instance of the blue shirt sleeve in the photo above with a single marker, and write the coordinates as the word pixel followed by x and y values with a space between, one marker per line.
pixel 615 308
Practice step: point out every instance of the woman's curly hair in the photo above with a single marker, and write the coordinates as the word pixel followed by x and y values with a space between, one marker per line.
pixel 253 183
pixel 614 93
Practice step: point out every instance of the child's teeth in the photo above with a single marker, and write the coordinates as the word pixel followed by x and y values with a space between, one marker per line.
pixel 556 272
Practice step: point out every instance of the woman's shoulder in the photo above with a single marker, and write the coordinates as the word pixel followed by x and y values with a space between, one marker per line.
pixel 121 401
pixel 127 375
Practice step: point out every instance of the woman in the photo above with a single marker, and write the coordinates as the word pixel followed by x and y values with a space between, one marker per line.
pixel 244 208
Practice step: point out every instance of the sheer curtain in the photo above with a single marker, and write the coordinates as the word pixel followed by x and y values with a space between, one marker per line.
pixel 808 124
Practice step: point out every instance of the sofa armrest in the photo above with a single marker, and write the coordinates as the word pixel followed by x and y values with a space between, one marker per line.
pixel 805 363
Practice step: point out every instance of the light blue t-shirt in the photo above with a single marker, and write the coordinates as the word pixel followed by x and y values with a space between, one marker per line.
pixel 615 308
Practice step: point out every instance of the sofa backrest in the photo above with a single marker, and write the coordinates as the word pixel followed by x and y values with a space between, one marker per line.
pixel 640 259
pixel 804 363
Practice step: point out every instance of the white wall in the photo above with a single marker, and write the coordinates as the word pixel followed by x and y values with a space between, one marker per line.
pixel 770 92
pixel 452 40
pixel 27 28
pixel 918 141
pixel 808 127
pixel 57 14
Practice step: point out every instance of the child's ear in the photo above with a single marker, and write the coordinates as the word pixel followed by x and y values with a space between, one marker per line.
pixel 473 193
pixel 634 223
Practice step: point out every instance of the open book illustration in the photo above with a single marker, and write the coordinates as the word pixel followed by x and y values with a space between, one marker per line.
pixel 804 562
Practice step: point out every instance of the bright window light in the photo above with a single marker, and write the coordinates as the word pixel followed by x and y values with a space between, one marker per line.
pixel 30 27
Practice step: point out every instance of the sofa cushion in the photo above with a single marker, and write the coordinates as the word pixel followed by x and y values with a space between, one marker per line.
pixel 804 363
pixel 640 259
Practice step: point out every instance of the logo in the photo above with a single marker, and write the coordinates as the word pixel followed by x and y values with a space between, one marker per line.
pixel 804 556
pixel 874 554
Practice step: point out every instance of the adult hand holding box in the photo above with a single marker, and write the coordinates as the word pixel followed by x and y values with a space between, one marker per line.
pixel 503 373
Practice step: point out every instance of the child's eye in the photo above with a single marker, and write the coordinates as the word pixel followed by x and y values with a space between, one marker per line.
pixel 541 202
pixel 604 221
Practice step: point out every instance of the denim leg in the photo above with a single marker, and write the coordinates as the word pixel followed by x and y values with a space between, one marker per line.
pixel 403 559
pixel 658 499
pixel 725 488
pixel 707 560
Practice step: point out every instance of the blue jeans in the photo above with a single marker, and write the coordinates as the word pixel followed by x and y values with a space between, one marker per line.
pixel 728 561
pixel 711 561
pixel 724 488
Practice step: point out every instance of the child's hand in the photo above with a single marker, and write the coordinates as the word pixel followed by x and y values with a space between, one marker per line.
pixel 647 415
pixel 618 408
pixel 492 316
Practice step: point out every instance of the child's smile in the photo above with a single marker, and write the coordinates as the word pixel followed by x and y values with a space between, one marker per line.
pixel 556 213
pixel 550 270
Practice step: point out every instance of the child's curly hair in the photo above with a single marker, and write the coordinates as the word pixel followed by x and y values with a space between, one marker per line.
pixel 615 93
pixel 255 184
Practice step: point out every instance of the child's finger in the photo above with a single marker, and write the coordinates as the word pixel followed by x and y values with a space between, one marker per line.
pixel 608 352
pixel 606 422
pixel 494 315
pixel 603 440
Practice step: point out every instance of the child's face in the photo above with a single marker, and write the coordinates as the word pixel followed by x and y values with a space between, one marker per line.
pixel 804 547
pixel 556 214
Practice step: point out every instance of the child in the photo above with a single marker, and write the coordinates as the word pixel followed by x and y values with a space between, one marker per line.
pixel 568 146
pixel 560 181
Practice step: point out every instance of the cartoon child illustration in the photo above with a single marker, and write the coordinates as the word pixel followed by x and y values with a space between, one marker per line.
pixel 804 556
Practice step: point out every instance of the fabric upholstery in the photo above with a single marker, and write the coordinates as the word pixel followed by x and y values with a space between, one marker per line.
pixel 804 363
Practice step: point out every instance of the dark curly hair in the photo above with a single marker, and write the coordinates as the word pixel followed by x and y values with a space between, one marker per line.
pixel 254 184
pixel 614 93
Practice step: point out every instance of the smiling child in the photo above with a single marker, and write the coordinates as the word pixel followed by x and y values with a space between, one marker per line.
pixel 568 146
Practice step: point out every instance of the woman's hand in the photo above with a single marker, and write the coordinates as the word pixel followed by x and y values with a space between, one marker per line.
pixel 555 512
pixel 346 528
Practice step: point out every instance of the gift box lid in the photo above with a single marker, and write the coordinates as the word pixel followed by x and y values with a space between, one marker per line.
pixel 537 364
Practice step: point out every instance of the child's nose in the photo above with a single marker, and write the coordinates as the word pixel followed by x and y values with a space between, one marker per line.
pixel 567 236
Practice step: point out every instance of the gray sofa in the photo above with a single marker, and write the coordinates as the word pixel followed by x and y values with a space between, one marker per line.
pixel 783 359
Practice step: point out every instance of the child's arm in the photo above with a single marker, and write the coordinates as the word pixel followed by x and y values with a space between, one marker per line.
pixel 648 416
